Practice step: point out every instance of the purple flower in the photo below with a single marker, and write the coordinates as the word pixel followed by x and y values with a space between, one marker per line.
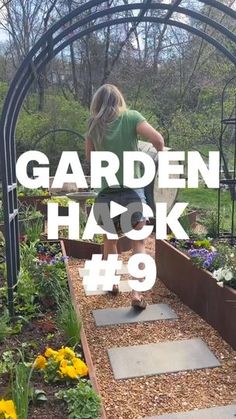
pixel 193 253
pixel 63 258
pixel 206 264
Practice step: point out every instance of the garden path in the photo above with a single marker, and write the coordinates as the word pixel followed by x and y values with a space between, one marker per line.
pixel 163 361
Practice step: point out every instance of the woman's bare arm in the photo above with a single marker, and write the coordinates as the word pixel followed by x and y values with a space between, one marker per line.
pixel 147 131
pixel 88 148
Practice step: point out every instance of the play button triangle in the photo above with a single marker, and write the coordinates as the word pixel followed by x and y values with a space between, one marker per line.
pixel 116 209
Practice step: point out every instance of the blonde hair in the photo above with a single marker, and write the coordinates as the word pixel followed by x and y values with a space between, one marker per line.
pixel 106 105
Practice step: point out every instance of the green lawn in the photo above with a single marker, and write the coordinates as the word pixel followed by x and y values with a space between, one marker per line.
pixel 207 200
pixel 203 198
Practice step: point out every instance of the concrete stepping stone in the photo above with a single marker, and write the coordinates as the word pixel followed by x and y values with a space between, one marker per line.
pixel 122 271
pixel 123 287
pixel 222 412
pixel 161 358
pixel 124 315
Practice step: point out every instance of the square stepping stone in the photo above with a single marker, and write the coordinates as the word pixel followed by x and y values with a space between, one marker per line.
pixel 123 315
pixel 122 271
pixel 161 358
pixel 222 412
pixel 123 287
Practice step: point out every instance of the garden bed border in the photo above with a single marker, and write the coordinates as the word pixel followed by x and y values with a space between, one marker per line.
pixel 198 290
pixel 84 342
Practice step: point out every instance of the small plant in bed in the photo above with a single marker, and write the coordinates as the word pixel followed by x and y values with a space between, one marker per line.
pixel 215 256
pixel 61 365
pixel 82 401
pixel 68 321
pixel 226 272
pixel 62 201
pixel 22 191
pixel 204 258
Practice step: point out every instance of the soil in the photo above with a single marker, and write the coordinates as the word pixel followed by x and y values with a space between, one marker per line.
pixel 35 335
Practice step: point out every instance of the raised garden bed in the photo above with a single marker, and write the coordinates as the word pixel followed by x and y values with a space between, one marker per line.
pixel 84 342
pixel 187 220
pixel 43 208
pixel 198 289
pixel 34 201
pixel 43 337
pixel 22 224
pixel 84 249
pixel 190 217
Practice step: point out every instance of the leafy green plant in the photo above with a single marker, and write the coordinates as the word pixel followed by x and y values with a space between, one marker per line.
pixel 225 272
pixel 34 229
pixel 62 365
pixel 61 201
pixel 37 396
pixel 211 224
pixel 5 329
pixel 90 201
pixel 82 401
pixel 22 191
pixel 206 244
pixel 51 282
pixel 27 212
pixel 186 224
pixel 1 215
pixel 28 254
pixel 2 239
pixel 21 390
pixel 26 294
pixel 7 362
pixel 68 322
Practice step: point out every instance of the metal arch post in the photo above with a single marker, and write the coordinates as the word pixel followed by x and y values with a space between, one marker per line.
pixel 173 7
pixel 174 23
pixel 194 14
pixel 51 131
pixel 220 6
pixel 28 77
pixel 67 31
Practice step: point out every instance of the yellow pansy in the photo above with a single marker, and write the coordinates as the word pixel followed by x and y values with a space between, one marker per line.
pixel 40 362
pixel 80 367
pixel 7 407
pixel 68 371
pixel 50 353
pixel 66 353
pixel 71 372
pixel 63 363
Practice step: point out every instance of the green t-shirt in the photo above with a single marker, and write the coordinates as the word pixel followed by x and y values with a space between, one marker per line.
pixel 121 135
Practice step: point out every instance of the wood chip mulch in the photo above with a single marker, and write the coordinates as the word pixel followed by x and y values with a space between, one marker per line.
pixel 166 393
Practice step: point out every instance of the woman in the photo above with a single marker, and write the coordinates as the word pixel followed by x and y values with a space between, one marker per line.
pixel 113 127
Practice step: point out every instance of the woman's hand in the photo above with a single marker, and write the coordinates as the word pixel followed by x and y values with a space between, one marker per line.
pixel 146 130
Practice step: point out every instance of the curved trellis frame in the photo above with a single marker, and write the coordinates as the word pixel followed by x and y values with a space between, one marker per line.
pixel 70 28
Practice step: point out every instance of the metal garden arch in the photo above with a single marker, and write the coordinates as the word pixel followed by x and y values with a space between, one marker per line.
pixel 84 20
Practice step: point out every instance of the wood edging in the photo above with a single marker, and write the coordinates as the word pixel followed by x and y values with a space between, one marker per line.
pixel 84 342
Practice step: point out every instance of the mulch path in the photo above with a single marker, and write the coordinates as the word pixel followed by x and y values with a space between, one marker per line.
pixel 166 393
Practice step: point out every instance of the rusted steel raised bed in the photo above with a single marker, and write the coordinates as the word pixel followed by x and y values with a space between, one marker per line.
pixel 198 289
pixel 84 250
